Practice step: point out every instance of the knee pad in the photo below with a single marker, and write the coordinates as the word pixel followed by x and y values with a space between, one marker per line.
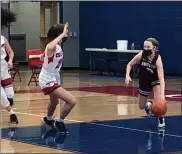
pixel 11 101
pixel 9 92
pixel 4 100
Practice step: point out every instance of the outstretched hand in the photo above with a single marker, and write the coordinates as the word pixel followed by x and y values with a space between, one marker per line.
pixel 65 31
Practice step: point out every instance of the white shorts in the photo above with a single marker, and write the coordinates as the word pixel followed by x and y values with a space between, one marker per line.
pixel 48 83
pixel 5 74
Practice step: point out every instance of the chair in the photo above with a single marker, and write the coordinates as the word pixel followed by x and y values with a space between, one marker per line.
pixel 15 71
pixel 35 64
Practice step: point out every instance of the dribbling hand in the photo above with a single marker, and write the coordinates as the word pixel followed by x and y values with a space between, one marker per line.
pixel 127 80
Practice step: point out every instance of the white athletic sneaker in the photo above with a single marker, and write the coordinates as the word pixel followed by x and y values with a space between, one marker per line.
pixel 148 108
pixel 161 122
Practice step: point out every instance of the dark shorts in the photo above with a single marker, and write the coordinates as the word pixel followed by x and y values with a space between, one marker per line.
pixel 146 86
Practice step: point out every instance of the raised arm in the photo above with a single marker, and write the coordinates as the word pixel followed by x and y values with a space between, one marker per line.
pixel 51 45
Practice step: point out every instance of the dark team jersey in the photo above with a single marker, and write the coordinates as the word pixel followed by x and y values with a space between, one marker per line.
pixel 148 68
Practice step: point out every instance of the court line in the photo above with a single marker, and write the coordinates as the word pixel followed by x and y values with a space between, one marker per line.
pixel 104 125
pixel 88 83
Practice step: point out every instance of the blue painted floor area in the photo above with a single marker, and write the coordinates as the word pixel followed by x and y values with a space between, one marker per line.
pixel 130 136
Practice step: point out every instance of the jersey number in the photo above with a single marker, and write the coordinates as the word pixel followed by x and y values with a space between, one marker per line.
pixel 59 63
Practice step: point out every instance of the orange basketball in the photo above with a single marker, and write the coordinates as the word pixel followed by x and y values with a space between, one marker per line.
pixel 159 108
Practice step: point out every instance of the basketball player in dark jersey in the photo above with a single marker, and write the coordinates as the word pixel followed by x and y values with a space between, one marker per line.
pixel 151 76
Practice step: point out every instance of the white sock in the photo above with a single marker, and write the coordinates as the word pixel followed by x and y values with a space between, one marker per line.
pixel 11 112
pixel 61 120
pixel 148 105
pixel 49 118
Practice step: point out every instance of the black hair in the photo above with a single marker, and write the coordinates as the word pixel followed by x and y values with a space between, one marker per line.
pixel 154 41
pixel 7 17
pixel 54 32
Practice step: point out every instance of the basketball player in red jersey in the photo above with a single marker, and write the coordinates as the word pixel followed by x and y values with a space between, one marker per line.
pixel 7 92
pixel 6 79
pixel 49 78
pixel 151 76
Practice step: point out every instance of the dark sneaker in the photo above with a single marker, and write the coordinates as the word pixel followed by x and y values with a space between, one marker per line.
pixel 48 122
pixel 161 123
pixel 60 126
pixel 13 119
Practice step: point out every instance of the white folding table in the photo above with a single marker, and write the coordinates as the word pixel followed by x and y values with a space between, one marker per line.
pixel 91 50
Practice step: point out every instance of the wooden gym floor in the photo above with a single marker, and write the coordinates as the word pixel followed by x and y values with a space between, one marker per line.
pixel 106 119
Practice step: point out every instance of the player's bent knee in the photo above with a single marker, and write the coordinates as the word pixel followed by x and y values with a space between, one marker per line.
pixel 4 100
pixel 9 92
pixel 72 101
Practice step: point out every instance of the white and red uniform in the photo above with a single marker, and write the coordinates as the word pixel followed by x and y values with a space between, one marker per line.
pixel 49 78
pixel 5 75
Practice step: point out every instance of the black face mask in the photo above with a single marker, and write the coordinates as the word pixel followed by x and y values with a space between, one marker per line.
pixel 64 39
pixel 147 52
